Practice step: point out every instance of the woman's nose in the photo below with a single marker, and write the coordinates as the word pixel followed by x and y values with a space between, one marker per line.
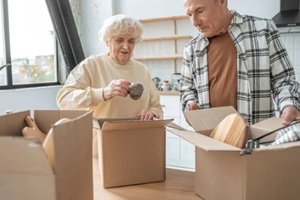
pixel 125 45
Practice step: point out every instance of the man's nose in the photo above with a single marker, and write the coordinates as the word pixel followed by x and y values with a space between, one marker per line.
pixel 195 20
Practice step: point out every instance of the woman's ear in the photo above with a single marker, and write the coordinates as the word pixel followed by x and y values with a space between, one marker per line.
pixel 107 44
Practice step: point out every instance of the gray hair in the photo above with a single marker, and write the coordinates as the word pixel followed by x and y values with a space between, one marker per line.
pixel 225 2
pixel 119 25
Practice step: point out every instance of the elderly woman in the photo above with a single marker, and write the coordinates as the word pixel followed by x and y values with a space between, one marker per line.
pixel 102 83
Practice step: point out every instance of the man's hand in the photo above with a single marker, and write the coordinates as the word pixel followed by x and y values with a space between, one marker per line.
pixel 290 114
pixel 193 106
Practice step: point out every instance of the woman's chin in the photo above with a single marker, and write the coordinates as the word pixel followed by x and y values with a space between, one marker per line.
pixel 124 60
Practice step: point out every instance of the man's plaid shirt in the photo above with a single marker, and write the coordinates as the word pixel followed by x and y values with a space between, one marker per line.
pixel 266 78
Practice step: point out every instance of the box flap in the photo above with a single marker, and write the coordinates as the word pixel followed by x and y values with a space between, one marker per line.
pixel 20 155
pixel 265 126
pixel 269 124
pixel 96 124
pixel 133 124
pixel 102 120
pixel 207 119
pixel 202 141
pixel 73 155
pixel 46 118
pixel 175 126
pixel 13 123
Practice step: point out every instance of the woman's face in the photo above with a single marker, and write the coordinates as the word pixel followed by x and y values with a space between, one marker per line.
pixel 121 48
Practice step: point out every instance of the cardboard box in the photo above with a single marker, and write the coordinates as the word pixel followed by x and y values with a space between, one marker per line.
pixel 131 151
pixel 270 172
pixel 25 172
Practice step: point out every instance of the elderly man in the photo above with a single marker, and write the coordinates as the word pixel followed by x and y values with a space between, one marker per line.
pixel 238 61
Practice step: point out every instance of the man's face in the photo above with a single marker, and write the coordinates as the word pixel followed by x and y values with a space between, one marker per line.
pixel 208 16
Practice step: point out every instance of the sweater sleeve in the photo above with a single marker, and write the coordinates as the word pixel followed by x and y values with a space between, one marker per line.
pixel 76 92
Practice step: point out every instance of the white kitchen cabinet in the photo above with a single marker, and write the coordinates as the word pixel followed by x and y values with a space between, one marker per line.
pixel 179 153
pixel 171 106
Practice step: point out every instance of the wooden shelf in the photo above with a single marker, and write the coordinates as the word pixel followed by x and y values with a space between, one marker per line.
pixel 174 37
pixel 160 58
pixel 164 18
pixel 157 39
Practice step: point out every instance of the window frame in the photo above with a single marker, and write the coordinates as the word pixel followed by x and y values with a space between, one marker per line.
pixel 66 32
pixel 67 41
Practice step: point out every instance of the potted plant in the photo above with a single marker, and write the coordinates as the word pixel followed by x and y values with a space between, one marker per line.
pixel 3 66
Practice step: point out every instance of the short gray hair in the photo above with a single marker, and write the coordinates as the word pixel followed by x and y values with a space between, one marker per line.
pixel 225 2
pixel 120 24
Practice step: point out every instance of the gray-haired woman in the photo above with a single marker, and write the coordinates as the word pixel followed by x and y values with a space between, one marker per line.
pixel 101 83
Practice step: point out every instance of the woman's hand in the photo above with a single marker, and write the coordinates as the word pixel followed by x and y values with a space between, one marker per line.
pixel 146 114
pixel 289 114
pixel 118 87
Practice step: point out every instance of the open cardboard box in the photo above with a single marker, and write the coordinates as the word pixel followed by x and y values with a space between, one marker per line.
pixel 25 172
pixel 131 151
pixel 270 172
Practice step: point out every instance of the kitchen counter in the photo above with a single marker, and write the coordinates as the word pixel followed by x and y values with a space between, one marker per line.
pixel 176 93
pixel 179 185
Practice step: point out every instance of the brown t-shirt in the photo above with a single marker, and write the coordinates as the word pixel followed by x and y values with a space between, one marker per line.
pixel 222 70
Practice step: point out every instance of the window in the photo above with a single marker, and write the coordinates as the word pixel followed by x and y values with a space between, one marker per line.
pixel 35 44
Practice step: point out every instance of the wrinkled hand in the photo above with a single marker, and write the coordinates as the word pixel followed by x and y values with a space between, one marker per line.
pixel 193 106
pixel 118 87
pixel 146 114
pixel 289 114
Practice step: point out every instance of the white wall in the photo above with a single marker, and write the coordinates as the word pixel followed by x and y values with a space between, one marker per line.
pixel 93 13
pixel 151 8
pixel 42 98
pixel 158 8
pixel 260 8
